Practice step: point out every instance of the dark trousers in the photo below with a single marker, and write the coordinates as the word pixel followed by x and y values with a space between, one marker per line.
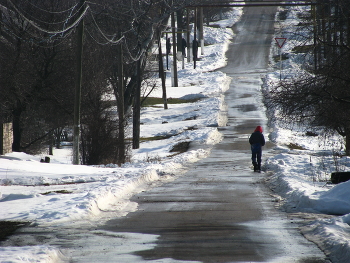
pixel 256 155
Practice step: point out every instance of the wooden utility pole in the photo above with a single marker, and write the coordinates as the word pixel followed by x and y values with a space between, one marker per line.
pixel 314 16
pixel 174 68
pixel 195 42
pixel 161 73
pixel 79 76
pixel 189 44
pixel 168 49
pixel 121 108
pixel 201 30
pixel 180 42
pixel 179 25
pixel 136 110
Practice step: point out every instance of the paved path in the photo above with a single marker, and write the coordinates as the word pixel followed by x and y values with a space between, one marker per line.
pixel 220 211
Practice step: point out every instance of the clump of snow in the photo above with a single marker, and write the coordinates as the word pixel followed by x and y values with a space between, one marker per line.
pixel 30 254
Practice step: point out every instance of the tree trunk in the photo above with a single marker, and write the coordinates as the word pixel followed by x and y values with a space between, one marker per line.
pixel 17 131
pixel 347 142
pixel 51 140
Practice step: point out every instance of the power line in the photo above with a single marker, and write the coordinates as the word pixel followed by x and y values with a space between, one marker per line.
pixel 40 41
pixel 70 15
pixel 62 34
pixel 109 40
pixel 74 24
pixel 52 12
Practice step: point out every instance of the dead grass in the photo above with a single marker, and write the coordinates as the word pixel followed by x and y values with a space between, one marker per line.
pixel 294 146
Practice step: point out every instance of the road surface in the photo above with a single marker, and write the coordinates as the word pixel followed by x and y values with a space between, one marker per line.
pixel 221 211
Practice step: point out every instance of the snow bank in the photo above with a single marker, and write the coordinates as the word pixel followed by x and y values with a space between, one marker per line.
pixel 30 254
pixel 301 177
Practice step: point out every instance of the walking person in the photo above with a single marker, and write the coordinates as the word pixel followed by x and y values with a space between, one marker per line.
pixel 257 140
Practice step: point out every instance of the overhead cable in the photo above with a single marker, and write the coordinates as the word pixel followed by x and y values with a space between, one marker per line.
pixel 110 40
pixel 52 12
pixel 75 23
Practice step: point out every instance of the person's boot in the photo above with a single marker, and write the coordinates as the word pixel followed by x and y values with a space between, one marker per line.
pixel 255 166
pixel 258 168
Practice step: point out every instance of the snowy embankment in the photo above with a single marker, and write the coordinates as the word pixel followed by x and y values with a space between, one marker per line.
pixel 302 167
pixel 60 193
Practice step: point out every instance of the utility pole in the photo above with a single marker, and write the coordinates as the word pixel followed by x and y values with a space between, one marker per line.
pixel 174 67
pixel 137 108
pixel 195 42
pixel 180 42
pixel 189 44
pixel 168 49
pixel 161 72
pixel 79 76
pixel 314 17
pixel 201 30
pixel 121 108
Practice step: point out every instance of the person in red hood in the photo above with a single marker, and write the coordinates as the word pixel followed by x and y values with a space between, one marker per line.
pixel 257 140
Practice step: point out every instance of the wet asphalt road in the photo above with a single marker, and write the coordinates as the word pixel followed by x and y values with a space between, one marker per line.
pixel 221 211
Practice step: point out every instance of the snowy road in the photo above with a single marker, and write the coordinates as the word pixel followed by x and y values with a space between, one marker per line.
pixel 220 211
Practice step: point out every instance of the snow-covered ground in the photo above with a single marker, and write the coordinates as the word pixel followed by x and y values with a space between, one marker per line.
pixel 301 176
pixel 57 192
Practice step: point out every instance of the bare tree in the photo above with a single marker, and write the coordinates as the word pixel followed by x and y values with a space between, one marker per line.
pixel 36 83
pixel 320 97
pixel 130 30
pixel 37 45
